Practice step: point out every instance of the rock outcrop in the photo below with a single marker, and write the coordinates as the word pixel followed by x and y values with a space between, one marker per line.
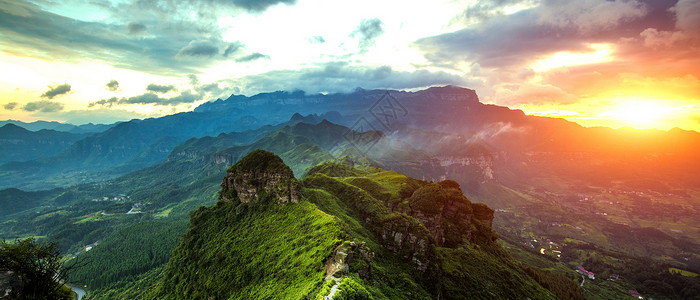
pixel 349 257
pixel 260 173
pixel 444 210
pixel 11 285
pixel 483 213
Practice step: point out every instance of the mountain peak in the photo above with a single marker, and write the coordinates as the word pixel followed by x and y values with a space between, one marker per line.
pixel 261 161
pixel 297 117
pixel 13 127
pixel 258 175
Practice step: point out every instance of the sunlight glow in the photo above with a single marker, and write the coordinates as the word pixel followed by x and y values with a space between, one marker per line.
pixel 601 53
pixel 641 114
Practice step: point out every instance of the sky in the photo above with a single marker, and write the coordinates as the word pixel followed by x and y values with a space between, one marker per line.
pixel 595 62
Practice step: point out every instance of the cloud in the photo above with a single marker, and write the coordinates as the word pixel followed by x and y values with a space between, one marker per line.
pixel 687 15
pixel 696 119
pixel 56 90
pixel 95 116
pixel 513 41
pixel 136 28
pixel 482 11
pixel 506 48
pixel 199 48
pixel 210 88
pixel 148 98
pixel 232 48
pixel 194 80
pixel 529 93
pixel 10 106
pixel 29 31
pixel 368 30
pixel 654 38
pixel 317 40
pixel 252 57
pixel 258 5
pixel 112 85
pixel 588 15
pixel 43 106
pixel 160 89
pixel 343 77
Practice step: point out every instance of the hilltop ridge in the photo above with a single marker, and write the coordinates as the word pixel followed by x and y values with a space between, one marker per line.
pixel 371 235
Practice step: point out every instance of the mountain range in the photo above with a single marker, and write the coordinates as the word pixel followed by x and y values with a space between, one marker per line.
pixel 561 195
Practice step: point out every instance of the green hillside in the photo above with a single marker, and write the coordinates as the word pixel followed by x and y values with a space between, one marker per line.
pixel 342 239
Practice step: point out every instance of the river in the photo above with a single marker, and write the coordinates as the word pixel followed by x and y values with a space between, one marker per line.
pixel 79 291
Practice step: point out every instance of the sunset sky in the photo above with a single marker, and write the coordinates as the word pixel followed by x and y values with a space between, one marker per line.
pixel 595 62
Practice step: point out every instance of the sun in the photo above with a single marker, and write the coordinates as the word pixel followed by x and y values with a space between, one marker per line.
pixel 639 113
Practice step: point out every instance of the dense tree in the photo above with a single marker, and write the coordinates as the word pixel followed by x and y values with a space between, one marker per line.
pixel 39 266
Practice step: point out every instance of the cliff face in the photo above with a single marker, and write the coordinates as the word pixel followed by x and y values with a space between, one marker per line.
pixel 446 213
pixel 260 173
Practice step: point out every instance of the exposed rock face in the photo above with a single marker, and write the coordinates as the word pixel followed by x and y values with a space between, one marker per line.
pixel 483 213
pixel 260 172
pixel 350 256
pixel 446 213
pixel 406 237
pixel 11 285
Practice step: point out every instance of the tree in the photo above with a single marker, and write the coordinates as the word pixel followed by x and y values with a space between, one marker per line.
pixel 39 265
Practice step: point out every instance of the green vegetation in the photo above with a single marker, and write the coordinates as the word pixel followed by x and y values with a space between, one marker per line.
pixel 40 267
pixel 263 162
pixel 261 249
pixel 406 245
pixel 683 272
pixel 131 251
pixel 244 251
pixel 650 278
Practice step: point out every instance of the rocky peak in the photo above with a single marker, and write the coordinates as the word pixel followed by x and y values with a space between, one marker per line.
pixel 444 210
pixel 257 174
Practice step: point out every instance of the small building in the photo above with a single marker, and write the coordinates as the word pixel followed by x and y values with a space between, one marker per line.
pixel 584 272
pixel 635 294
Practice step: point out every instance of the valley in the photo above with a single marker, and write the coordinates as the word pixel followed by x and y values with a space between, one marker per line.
pixel 559 200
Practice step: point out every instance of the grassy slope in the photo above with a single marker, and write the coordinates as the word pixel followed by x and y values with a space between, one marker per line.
pixel 244 252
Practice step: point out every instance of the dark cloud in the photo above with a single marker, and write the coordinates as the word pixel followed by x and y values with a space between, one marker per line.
pixel 194 80
pixel 55 90
pixel 42 34
pixel 368 30
pixel 148 98
pixel 482 11
pixel 343 77
pixel 199 48
pixel 687 16
pixel 317 39
pixel 160 89
pixel 232 48
pixel 43 106
pixel 112 85
pixel 104 102
pixel 589 15
pixel 252 57
pixel 11 105
pixel 136 28
pixel 211 88
pixel 260 5
pixel 512 41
